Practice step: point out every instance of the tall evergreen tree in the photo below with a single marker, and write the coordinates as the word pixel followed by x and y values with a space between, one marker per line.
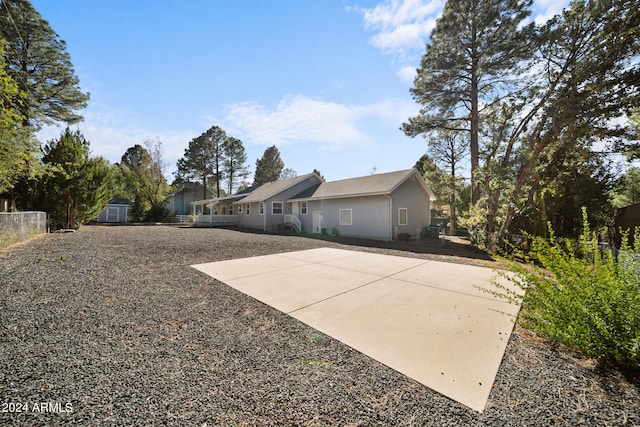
pixel 41 66
pixel 269 167
pixel 591 80
pixel 448 149
pixel 74 190
pixel 203 158
pixel 144 177
pixel 235 159
pixel 14 144
pixel 472 58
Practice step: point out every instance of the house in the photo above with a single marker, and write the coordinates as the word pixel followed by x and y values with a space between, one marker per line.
pixel 179 201
pixel 385 206
pixel 7 203
pixel 626 219
pixel 264 207
pixel 117 210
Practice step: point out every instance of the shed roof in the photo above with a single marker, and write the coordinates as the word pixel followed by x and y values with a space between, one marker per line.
pixel 384 183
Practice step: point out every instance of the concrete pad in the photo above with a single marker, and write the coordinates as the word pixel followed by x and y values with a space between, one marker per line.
pixel 237 268
pixel 467 279
pixel 424 319
pixel 381 265
pixel 298 287
pixel 450 342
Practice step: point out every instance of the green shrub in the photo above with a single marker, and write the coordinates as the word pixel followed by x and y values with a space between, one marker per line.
pixel 582 296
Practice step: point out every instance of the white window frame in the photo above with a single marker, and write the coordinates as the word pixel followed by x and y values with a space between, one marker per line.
pixel 344 222
pixel 239 209
pixel 304 208
pixel 231 210
pixel 247 210
pixel 406 216
pixel 273 205
pixel 261 209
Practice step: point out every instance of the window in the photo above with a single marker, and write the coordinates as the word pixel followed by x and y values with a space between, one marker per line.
pixel 345 216
pixel 239 209
pixel 224 210
pixel 261 208
pixel 276 208
pixel 231 210
pixel 303 208
pixel 402 216
pixel 248 209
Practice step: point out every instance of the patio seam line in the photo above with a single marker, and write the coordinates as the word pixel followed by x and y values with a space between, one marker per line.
pixel 357 287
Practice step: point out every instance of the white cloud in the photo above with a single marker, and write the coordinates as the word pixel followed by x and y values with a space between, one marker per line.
pixel 401 25
pixel 547 9
pixel 407 73
pixel 111 132
pixel 299 119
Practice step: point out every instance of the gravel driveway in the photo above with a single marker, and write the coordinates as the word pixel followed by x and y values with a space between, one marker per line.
pixel 110 326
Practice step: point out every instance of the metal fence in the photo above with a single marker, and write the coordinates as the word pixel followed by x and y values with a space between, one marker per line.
pixel 17 226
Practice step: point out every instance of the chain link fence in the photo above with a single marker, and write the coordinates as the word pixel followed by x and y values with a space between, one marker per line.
pixel 18 226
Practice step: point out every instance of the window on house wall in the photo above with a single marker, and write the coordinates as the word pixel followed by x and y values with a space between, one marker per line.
pixel 303 208
pixel 239 209
pixel 224 210
pixel 345 217
pixel 231 210
pixel 261 208
pixel 248 209
pixel 402 216
pixel 276 208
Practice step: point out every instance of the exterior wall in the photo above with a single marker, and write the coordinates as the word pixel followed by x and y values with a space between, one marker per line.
pixel 254 219
pixel 268 221
pixel 369 216
pixel 180 203
pixel 113 213
pixel 411 195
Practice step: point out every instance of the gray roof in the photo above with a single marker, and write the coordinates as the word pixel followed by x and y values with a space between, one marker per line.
pixel 270 189
pixel 384 183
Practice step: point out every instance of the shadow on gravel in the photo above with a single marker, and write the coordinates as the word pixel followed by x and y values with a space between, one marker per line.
pixel 453 246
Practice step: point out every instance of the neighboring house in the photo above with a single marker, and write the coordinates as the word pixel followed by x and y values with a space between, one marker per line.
pixel 385 206
pixel 7 203
pixel 179 201
pixel 626 220
pixel 117 210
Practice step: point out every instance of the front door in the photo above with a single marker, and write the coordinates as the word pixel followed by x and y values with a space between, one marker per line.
pixel 317 222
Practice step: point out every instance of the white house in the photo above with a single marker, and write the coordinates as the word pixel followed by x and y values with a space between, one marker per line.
pixel 384 206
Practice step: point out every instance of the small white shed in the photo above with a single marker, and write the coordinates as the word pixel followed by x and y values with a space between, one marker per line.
pixel 117 210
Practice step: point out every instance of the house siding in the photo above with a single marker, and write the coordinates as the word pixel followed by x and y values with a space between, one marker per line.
pixel 411 196
pixel 369 216
pixel 114 213
pixel 269 221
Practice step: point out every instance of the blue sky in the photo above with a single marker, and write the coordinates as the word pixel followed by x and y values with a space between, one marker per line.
pixel 326 81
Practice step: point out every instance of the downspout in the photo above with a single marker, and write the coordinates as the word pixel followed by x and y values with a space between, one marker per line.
pixel 390 217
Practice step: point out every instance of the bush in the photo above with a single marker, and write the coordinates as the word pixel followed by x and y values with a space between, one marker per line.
pixel 582 296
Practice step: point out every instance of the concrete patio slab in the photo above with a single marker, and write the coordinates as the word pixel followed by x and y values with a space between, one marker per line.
pixel 425 319
pixel 305 285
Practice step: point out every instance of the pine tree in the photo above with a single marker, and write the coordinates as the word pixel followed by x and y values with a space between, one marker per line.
pixel 204 158
pixel 39 63
pixel 269 167
pixel 144 177
pixel 235 158
pixel 74 190
pixel 474 52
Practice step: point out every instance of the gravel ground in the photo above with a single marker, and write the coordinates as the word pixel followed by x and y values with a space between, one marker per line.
pixel 110 326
